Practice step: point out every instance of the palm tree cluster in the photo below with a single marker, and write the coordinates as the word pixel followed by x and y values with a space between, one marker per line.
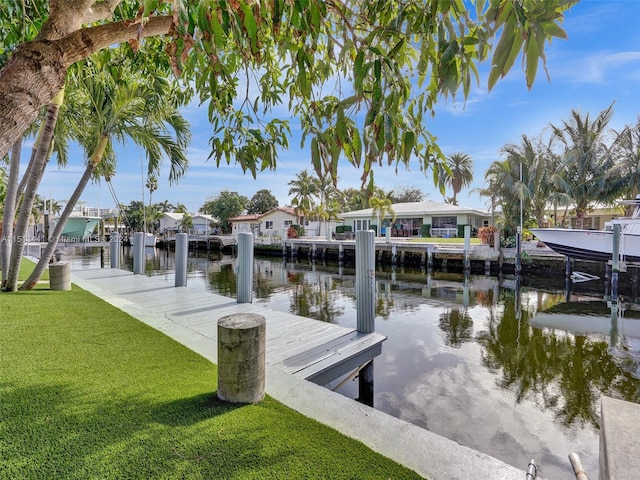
pixel 107 99
pixel 574 165
pixel 314 198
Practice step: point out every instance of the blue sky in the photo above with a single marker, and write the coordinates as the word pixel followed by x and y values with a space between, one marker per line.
pixel 598 64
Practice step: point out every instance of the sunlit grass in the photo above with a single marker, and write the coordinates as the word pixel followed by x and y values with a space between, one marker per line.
pixel 26 267
pixel 88 392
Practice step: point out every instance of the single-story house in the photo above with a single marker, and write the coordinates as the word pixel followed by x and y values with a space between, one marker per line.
pixel 204 224
pixel 170 223
pixel 596 216
pixel 443 219
pixel 271 223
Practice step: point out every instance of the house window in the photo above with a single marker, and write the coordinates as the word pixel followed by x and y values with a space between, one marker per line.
pixel 268 224
pixel 361 225
pixel 288 223
pixel 444 222
pixel 444 227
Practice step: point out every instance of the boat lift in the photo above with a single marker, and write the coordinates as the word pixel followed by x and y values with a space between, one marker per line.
pixel 579 277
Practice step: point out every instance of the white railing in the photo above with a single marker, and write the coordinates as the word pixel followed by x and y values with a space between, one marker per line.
pixel 444 232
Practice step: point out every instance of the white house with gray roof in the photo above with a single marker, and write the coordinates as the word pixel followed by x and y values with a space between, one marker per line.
pixel 443 219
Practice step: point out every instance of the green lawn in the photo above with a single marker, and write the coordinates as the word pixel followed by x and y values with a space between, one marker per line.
pixel 87 392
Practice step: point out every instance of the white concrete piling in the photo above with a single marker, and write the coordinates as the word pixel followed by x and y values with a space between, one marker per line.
pixel 365 280
pixel 138 253
pixel 182 253
pixel 244 278
pixel 114 250
pixel 467 247
pixel 615 262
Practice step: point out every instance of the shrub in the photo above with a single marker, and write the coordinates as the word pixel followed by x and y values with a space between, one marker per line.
pixel 486 234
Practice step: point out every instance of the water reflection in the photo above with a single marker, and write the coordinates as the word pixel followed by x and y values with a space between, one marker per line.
pixel 457 326
pixel 514 370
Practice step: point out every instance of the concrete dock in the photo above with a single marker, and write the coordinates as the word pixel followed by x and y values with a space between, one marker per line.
pixel 190 317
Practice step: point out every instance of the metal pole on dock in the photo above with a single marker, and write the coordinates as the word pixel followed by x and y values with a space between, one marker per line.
pixel 613 332
pixel 467 247
pixel 465 289
pixel 519 251
pixel 182 250
pixel 245 267
pixel 607 281
pixel 114 250
pixel 615 262
pixel 365 280
pixel 284 242
pixel 568 270
pixel 138 253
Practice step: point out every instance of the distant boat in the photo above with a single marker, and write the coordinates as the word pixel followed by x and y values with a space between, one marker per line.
pixel 150 240
pixel 78 228
pixel 596 245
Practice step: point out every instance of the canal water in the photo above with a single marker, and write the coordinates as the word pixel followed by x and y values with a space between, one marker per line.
pixel 514 369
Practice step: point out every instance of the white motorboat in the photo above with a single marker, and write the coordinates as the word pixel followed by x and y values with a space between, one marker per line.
pixel 584 318
pixel 78 227
pixel 150 239
pixel 596 245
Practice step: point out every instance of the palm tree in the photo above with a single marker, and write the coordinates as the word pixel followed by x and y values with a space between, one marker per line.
pixel 586 161
pixel 351 199
pixel 151 185
pixel 460 173
pixel 132 108
pixel 535 188
pixel 304 190
pixel 8 194
pixel 381 205
pixel 624 176
pixel 503 177
pixel 165 206
pixel 41 153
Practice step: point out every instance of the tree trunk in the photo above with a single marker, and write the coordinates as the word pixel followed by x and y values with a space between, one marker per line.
pixel 39 163
pixel 9 213
pixel 57 232
pixel 37 70
pixel 580 213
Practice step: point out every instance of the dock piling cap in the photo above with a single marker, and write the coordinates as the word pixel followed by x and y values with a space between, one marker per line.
pixel 241 321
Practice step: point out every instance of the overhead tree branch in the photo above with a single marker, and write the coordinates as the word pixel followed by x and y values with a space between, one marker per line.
pixel 37 70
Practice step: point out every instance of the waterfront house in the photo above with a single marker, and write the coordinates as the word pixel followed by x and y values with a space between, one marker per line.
pixel 418 218
pixel 170 224
pixel 270 224
pixel 204 224
pixel 595 218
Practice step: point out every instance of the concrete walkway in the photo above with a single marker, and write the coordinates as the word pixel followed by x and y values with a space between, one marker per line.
pixel 430 455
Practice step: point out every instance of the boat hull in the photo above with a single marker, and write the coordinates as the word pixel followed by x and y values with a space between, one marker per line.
pixel 79 229
pixel 590 245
